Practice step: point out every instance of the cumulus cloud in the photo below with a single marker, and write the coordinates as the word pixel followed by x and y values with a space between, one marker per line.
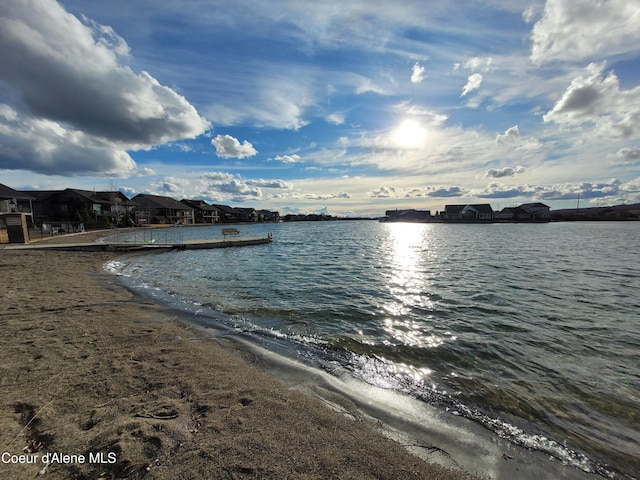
pixel 627 155
pixel 217 177
pixel 309 196
pixel 294 158
pixel 77 97
pixel 509 135
pixel 325 196
pixel 45 146
pixel 504 172
pixel 171 186
pixel 145 171
pixel 239 190
pixel 229 147
pixel 575 30
pixel 434 192
pixel 129 192
pixel 223 186
pixel 443 192
pixel 566 191
pixel 279 184
pixel 417 73
pixel 473 83
pixel 418 192
pixel 599 100
pixel 384 192
pixel 479 64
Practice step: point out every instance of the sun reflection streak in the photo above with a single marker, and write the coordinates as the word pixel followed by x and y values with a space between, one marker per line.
pixel 409 250
pixel 412 333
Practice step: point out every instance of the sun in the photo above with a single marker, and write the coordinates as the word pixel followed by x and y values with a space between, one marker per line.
pixel 409 134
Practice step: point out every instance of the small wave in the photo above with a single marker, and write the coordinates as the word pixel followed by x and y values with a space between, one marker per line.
pixel 114 267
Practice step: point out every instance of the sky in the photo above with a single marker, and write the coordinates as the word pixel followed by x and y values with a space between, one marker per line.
pixel 348 108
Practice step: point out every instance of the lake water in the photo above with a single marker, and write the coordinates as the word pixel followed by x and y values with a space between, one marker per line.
pixel 531 330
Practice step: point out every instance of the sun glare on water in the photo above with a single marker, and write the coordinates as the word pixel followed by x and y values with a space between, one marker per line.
pixel 409 134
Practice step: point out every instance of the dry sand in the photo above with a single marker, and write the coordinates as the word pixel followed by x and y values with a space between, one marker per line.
pixel 90 370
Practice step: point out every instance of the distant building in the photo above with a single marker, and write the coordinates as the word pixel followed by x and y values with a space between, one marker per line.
pixel 72 206
pixel 538 211
pixel 13 201
pixel 227 214
pixel 158 209
pixel 407 215
pixel 513 214
pixel 268 216
pixel 481 212
pixel 203 212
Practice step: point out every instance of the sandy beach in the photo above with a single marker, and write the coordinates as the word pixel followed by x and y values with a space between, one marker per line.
pixel 105 384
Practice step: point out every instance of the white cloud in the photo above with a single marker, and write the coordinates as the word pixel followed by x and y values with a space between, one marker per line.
pixel 417 192
pixel 504 172
pixel 598 100
pixel 473 83
pixel 627 155
pixel 384 192
pixel 576 30
pixel 529 14
pixel 217 177
pixel 509 135
pixel 309 196
pixel 48 147
pixel 145 171
pixel 479 64
pixel 417 73
pixel 223 186
pixel 336 118
pixel 566 191
pixel 294 158
pixel 279 184
pixel 229 147
pixel 77 97
pixel 239 190
pixel 128 191
pixel 171 186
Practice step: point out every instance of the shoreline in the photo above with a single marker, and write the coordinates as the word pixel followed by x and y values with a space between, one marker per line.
pixel 107 371
pixel 117 386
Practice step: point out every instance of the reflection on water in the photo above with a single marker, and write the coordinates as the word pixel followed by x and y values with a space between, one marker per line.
pixel 535 324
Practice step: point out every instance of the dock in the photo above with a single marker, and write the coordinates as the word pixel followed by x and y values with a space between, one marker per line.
pixel 129 246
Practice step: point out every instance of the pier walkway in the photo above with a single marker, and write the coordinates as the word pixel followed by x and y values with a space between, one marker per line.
pixel 116 244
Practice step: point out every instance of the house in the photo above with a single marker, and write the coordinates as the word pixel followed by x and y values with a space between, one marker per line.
pixel 268 216
pixel 407 215
pixel 74 206
pixel 538 211
pixel 13 201
pixel 481 212
pixel 227 214
pixel 159 209
pixel 203 212
pixel 247 214
pixel 513 214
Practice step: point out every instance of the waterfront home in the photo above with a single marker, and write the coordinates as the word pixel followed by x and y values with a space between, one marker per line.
pixel 158 209
pixel 481 212
pixel 537 210
pixel 407 215
pixel 203 212
pixel 13 201
pixel 73 206
pixel 513 214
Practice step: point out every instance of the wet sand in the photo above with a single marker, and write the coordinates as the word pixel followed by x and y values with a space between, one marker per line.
pixel 109 385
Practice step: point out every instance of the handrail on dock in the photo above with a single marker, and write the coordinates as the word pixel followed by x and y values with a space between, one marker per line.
pixel 147 236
